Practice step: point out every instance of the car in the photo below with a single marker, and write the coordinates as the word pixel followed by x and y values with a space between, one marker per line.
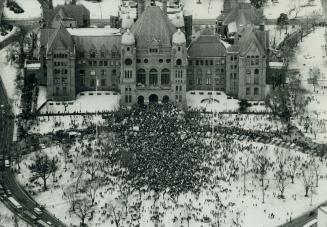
pixel 38 211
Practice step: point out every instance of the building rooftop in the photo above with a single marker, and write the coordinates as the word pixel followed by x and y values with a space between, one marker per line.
pixel 153 26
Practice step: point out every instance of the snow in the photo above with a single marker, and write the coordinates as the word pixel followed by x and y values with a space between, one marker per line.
pixel 309 57
pixel 103 9
pixel 86 102
pixel 6 217
pixel 248 205
pixel 273 10
pixel 276 64
pixel 201 100
pixel 208 9
pixel 33 66
pixel 107 31
pixel 278 34
pixel 13 31
pixel 42 96
pixel 32 10
pixel 8 74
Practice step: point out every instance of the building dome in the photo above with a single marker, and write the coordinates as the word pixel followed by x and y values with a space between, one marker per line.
pixel 128 38
pixel 179 37
pixel 127 22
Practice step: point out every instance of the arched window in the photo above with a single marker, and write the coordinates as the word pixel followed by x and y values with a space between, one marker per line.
pixel 140 76
pixel 256 71
pixel 153 77
pixel 165 76
pixel 179 62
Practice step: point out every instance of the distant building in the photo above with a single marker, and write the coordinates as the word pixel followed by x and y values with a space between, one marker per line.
pixel 148 60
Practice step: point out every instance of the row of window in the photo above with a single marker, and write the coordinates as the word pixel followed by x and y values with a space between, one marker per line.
pixel 206 62
pixel 208 81
pixel 255 91
pixel 104 63
pixel 153 77
pixel 60 71
pixel 61 55
pixel 207 71
pixel 93 72
pixel 103 54
pixel 103 82
pixel 60 63
pixel 145 60
pixel 62 80
pixel 57 91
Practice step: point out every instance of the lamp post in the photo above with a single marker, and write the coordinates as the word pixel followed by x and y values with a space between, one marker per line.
pixel 3 142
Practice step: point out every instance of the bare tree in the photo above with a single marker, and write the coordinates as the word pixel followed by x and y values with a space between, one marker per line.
pixel 83 209
pixel 43 166
pixel 292 168
pixel 91 190
pixel 307 179
pixel 244 162
pixel 281 173
pixel 72 196
pixel 116 212
pixel 91 168
pixel 316 169
pixel 261 165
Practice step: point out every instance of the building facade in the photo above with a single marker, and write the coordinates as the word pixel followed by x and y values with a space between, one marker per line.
pixel 149 60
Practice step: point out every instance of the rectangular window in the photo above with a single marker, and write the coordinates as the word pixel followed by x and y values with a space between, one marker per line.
pixel 64 91
pixel 208 81
pixel 103 82
pixel 103 72
pixel 256 79
pixel 199 81
pixel 92 82
pixel 247 91
pixel 95 63
pixel 100 63
pixel 90 63
pixel 105 63
pixel 256 91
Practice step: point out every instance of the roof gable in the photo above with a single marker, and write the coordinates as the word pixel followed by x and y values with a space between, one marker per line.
pixel 153 25
pixel 60 38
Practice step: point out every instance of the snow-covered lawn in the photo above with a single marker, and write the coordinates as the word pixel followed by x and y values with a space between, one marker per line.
pixel 86 102
pixel 301 8
pixel 13 31
pixel 199 99
pixel 207 9
pixel 7 217
pixel 32 10
pixel 248 206
pixel 44 125
pixel 308 58
pixel 8 74
pixel 277 34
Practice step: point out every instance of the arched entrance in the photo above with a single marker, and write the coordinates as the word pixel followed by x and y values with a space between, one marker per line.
pixel 165 99
pixel 153 98
pixel 140 100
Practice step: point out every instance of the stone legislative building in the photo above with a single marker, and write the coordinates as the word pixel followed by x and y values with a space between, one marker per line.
pixel 148 60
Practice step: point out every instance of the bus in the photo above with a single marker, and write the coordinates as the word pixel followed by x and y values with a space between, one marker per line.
pixel 15 203
pixel 41 223
pixel 30 215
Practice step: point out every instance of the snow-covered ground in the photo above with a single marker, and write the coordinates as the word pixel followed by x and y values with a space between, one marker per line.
pixel 206 9
pixel 13 31
pixel 7 217
pixel 293 8
pixel 98 10
pixel 310 56
pixel 278 34
pixel 248 206
pixel 32 10
pixel 86 102
pixel 93 31
pixel 8 73
pixel 44 125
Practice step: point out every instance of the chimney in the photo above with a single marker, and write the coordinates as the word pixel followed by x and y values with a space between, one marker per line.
pixel 73 2
pixel 140 7
pixel 50 4
pixel 262 27
pixel 164 6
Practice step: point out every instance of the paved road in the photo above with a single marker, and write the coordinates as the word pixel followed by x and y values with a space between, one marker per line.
pixel 6 135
